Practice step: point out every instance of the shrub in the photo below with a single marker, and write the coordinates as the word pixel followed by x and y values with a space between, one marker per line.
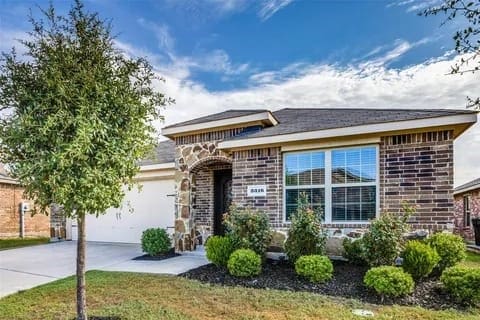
pixel 384 241
pixel 244 263
pixel 419 259
pixel 219 250
pixel 354 251
pixel 305 235
pixel 463 283
pixel 156 241
pixel 315 268
pixel 249 229
pixel 389 281
pixel 450 248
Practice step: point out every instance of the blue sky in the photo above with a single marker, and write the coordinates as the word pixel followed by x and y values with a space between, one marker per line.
pixel 217 55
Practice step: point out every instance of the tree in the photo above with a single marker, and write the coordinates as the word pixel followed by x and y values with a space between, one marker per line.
pixel 467 39
pixel 76 115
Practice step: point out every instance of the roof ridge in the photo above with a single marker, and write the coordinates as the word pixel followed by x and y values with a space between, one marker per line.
pixel 382 109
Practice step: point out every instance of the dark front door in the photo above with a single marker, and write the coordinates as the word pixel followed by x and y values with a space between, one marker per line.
pixel 222 198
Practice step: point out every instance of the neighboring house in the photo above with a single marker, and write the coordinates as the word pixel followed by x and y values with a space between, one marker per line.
pixel 352 163
pixel 11 197
pixel 467 207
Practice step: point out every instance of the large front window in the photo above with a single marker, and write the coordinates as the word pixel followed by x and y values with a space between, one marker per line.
pixel 341 184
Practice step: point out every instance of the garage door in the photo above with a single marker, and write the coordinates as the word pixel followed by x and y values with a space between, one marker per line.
pixel 152 207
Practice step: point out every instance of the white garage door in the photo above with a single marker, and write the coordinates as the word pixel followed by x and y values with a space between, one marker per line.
pixel 153 207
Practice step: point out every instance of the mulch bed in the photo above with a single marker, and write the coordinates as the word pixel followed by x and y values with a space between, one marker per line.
pixel 347 282
pixel 168 255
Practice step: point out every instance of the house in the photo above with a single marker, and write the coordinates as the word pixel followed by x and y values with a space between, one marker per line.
pixel 352 163
pixel 467 207
pixel 11 218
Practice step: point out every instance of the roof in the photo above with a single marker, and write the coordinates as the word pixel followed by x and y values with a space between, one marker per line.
pixel 474 184
pixel 293 120
pixel 4 177
pixel 218 116
pixel 164 153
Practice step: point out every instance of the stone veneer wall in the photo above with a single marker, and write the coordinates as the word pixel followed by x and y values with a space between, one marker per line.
pixel 460 228
pixel 418 168
pixel 11 196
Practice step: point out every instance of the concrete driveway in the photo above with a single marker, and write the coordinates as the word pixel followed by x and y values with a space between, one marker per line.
pixel 28 267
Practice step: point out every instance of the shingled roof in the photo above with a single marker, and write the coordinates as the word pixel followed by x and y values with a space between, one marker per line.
pixel 164 153
pixel 474 184
pixel 293 120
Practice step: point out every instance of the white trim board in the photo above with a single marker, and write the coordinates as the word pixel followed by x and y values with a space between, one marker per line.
pixel 265 116
pixel 351 131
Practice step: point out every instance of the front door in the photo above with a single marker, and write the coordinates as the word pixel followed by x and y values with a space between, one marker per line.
pixel 222 198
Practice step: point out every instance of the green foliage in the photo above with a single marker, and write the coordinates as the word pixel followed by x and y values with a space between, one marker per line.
pixel 450 248
pixel 156 241
pixel 463 283
pixel 305 235
pixel 249 229
pixel 219 250
pixel 244 263
pixel 354 251
pixel 76 114
pixel 315 268
pixel 384 241
pixel 389 281
pixel 419 259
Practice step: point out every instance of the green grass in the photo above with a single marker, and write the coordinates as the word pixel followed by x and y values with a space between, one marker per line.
pixel 146 296
pixel 18 242
pixel 473 260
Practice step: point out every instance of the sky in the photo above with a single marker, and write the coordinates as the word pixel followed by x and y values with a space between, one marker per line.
pixel 228 54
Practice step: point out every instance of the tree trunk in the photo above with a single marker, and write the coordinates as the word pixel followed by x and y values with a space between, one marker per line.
pixel 81 290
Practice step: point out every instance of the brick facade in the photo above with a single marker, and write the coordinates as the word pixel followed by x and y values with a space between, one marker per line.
pixel 418 168
pixel 11 195
pixel 474 200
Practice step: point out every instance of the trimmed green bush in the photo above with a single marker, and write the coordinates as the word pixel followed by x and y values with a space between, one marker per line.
pixel 354 251
pixel 249 229
pixel 156 241
pixel 450 248
pixel 305 235
pixel 463 283
pixel 389 281
pixel 219 249
pixel 315 268
pixel 384 241
pixel 244 263
pixel 419 259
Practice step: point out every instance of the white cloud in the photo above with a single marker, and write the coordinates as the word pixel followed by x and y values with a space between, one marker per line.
pixel 269 7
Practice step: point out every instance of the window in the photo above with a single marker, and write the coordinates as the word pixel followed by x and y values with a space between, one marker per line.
pixel 341 184
pixel 466 211
pixel 305 173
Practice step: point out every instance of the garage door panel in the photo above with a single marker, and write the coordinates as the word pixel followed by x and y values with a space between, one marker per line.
pixel 152 207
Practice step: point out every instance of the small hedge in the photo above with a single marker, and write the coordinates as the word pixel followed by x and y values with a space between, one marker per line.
pixel 389 281
pixel 354 251
pixel 419 259
pixel 219 250
pixel 463 283
pixel 450 248
pixel 156 241
pixel 315 268
pixel 244 263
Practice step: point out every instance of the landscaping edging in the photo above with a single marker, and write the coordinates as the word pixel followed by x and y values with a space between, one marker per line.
pixel 347 282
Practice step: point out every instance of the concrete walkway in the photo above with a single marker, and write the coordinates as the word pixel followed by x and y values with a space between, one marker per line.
pixel 28 267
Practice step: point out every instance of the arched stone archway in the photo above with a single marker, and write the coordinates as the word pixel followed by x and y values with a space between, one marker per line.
pixel 194 184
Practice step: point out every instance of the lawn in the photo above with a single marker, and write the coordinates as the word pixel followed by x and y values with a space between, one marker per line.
pixel 18 242
pixel 146 296
pixel 473 259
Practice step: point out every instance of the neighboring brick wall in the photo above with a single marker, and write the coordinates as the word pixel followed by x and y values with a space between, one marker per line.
pixel 11 196
pixel 460 228
pixel 418 168
pixel 258 167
